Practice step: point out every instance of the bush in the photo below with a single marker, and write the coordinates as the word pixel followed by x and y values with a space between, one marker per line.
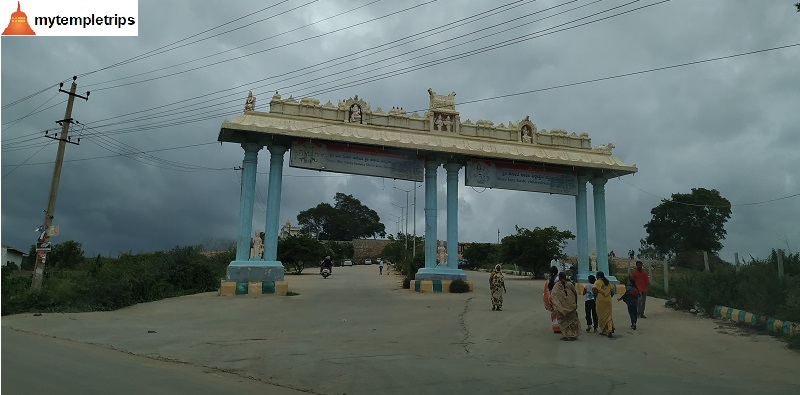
pixel 794 342
pixel 407 282
pixel 108 284
pixel 459 286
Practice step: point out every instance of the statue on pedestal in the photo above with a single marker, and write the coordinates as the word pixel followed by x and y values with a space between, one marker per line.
pixel 256 246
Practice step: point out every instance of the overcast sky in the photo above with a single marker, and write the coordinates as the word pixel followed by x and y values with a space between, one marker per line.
pixel 730 125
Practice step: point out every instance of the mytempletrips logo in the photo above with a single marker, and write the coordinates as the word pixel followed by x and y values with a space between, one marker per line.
pixel 18 26
pixel 72 18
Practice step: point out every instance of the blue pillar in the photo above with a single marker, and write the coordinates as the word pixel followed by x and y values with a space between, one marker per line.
pixel 583 229
pixel 450 271
pixel 249 166
pixel 599 191
pixel 431 228
pixel 243 269
pixel 452 214
pixel 273 203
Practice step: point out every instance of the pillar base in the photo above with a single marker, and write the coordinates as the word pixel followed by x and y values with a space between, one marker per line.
pixel 435 286
pixel 253 288
pixel 582 278
pixel 254 271
pixel 440 273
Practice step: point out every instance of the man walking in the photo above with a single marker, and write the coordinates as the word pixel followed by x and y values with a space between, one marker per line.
pixel 380 267
pixel 642 280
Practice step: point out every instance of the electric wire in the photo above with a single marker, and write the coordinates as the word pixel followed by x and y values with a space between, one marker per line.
pixel 269 49
pixel 25 161
pixel 297 70
pixel 469 53
pixel 141 56
pixel 238 47
pixel 216 115
pixel 235 100
pixel 663 199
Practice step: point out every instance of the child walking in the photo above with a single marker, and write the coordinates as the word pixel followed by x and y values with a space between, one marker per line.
pixel 631 298
pixel 589 305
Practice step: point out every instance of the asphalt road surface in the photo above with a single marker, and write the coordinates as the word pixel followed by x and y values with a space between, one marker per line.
pixel 360 333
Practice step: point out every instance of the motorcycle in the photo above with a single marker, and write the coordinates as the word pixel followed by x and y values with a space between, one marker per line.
pixel 325 272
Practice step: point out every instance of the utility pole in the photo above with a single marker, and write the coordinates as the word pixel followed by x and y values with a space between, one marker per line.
pixel 43 245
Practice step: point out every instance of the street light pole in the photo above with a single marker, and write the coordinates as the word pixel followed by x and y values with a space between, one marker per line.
pixel 407 191
pixel 401 218
pixel 414 246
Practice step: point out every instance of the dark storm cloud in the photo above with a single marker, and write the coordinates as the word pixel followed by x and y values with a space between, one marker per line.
pixel 729 125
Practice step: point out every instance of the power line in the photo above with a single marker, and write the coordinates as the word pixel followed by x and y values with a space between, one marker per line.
pixel 269 49
pixel 473 52
pixel 26 160
pixel 160 125
pixel 239 47
pixel 141 56
pixel 36 112
pixel 32 95
pixel 123 154
pixel 704 205
pixel 231 101
pixel 295 71
pixel 468 53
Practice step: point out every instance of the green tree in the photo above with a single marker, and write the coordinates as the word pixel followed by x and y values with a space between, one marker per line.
pixel 347 219
pixel 532 250
pixel 297 252
pixel 315 220
pixel 648 251
pixel 66 255
pixel 482 254
pixel 340 250
pixel 687 222
pixel 29 261
pixel 400 253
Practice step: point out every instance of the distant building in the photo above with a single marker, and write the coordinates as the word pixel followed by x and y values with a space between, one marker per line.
pixel 12 255
pixel 288 230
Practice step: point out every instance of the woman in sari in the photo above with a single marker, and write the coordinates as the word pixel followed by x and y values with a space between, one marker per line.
pixel 497 285
pixel 603 291
pixel 564 299
pixel 548 287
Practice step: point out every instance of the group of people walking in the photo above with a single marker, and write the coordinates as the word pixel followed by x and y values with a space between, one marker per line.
pixel 561 299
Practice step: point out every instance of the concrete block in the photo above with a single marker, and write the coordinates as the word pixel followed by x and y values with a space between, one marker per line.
pixel 227 288
pixel 445 286
pixel 425 285
pixel 254 288
pixel 281 287
pixel 268 287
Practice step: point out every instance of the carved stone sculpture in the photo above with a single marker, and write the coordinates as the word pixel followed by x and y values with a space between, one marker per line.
pixel 257 248
pixel 355 113
pixel 250 103
pixel 605 147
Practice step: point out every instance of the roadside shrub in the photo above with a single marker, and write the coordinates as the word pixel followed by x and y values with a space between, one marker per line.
pixel 459 286
pixel 407 282
pixel 794 342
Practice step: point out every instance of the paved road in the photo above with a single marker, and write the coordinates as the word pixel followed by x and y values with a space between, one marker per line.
pixel 359 333
pixel 36 364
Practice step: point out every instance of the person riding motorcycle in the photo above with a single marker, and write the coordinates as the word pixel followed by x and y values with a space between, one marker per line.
pixel 327 263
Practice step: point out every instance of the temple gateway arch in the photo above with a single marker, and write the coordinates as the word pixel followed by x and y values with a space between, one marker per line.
pixel 350 137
